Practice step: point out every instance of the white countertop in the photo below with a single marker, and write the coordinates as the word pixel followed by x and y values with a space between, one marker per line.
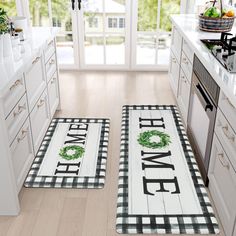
pixel 188 26
pixel 11 70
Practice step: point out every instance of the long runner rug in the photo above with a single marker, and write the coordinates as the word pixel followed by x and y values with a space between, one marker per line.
pixel 160 187
pixel 73 154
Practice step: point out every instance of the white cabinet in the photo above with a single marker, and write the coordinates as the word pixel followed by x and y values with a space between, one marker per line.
pixel 53 94
pixel 176 43
pixel 183 95
pixel 174 73
pixel 35 80
pixel 22 154
pixel 222 186
pixel 40 119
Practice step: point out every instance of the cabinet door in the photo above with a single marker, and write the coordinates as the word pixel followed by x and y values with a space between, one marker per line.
pixel 183 95
pixel 53 94
pixel 22 154
pixel 40 119
pixel 176 43
pixel 35 81
pixel 222 186
pixel 174 73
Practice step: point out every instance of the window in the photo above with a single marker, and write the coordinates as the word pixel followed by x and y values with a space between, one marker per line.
pixel 122 23
pixel 112 22
pixel 93 22
pixel 9 6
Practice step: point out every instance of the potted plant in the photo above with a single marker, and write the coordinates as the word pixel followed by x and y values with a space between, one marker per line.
pixel 216 18
pixel 5 40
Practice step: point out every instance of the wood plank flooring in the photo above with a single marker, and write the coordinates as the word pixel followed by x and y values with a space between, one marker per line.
pixel 79 212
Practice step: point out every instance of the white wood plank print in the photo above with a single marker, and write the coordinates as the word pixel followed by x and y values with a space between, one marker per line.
pixel 160 182
pixel 86 135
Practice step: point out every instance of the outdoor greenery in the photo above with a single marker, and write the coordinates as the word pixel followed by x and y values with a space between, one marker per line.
pixel 4 24
pixel 9 6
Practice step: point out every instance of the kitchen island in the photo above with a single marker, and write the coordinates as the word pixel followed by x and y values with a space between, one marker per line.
pixel 208 109
pixel 29 97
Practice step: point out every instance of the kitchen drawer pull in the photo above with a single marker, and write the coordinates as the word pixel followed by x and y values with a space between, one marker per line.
pixel 52 62
pixel 35 60
pixel 185 61
pixel 41 102
pixel 20 109
pixel 17 82
pixel 174 60
pixel 23 135
pixel 230 103
pixel 223 162
pixel 53 80
pixel 227 134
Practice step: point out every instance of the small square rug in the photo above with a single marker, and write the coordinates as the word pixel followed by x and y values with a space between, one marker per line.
pixel 160 188
pixel 73 154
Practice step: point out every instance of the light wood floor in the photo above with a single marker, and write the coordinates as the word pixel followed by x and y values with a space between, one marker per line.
pixel 63 212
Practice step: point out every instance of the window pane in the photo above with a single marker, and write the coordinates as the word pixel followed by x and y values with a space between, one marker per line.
pixel 147 15
pixel 115 50
pixel 39 12
pixel 168 7
pixel 9 6
pixel 94 49
pixel 146 49
pixel 163 51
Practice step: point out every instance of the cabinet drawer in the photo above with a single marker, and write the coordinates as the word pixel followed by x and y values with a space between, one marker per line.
pixel 22 154
pixel 40 119
pixel 176 43
pixel 188 51
pixel 183 95
pixel 16 118
pixel 174 73
pixel 222 185
pixel 35 81
pixel 51 67
pixel 228 109
pixel 186 66
pixel 53 94
pixel 227 137
pixel 49 50
pixel 15 92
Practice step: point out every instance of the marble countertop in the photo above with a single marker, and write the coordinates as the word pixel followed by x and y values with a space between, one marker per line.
pixel 188 26
pixel 36 40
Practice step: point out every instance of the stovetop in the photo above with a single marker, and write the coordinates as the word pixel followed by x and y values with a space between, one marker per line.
pixel 224 50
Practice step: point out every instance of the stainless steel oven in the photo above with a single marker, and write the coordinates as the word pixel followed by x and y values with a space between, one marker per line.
pixel 202 113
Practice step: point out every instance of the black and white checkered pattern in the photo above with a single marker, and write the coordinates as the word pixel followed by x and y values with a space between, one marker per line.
pixel 162 224
pixel 33 180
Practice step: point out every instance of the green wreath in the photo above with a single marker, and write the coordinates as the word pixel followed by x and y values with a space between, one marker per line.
pixel 78 152
pixel 144 139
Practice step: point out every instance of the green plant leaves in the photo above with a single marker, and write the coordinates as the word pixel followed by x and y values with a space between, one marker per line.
pixel 144 139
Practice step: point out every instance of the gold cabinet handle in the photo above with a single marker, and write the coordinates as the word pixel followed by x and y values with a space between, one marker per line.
pixel 53 80
pixel 35 60
pixel 185 60
pixel 17 82
pixel 52 61
pixel 174 60
pixel 227 133
pixel 41 102
pixel 223 162
pixel 19 110
pixel 230 103
pixel 23 135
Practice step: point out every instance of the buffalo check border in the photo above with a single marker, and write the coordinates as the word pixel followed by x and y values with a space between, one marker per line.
pixel 35 181
pixel 205 223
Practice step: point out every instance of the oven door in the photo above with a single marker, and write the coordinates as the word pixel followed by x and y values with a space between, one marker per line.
pixel 201 119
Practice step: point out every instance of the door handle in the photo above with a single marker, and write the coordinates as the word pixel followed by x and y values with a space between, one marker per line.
pixel 73 4
pixel 208 103
pixel 79 4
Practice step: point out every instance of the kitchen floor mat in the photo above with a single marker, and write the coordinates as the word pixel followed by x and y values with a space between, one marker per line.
pixel 160 189
pixel 73 154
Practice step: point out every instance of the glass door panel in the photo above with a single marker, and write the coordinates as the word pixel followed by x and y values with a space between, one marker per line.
pixel 9 6
pixel 104 32
pixel 62 17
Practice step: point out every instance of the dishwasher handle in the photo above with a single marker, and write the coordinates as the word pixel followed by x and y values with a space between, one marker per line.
pixel 207 101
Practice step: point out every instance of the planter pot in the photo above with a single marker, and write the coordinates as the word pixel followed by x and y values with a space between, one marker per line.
pixel 1 49
pixel 7 46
